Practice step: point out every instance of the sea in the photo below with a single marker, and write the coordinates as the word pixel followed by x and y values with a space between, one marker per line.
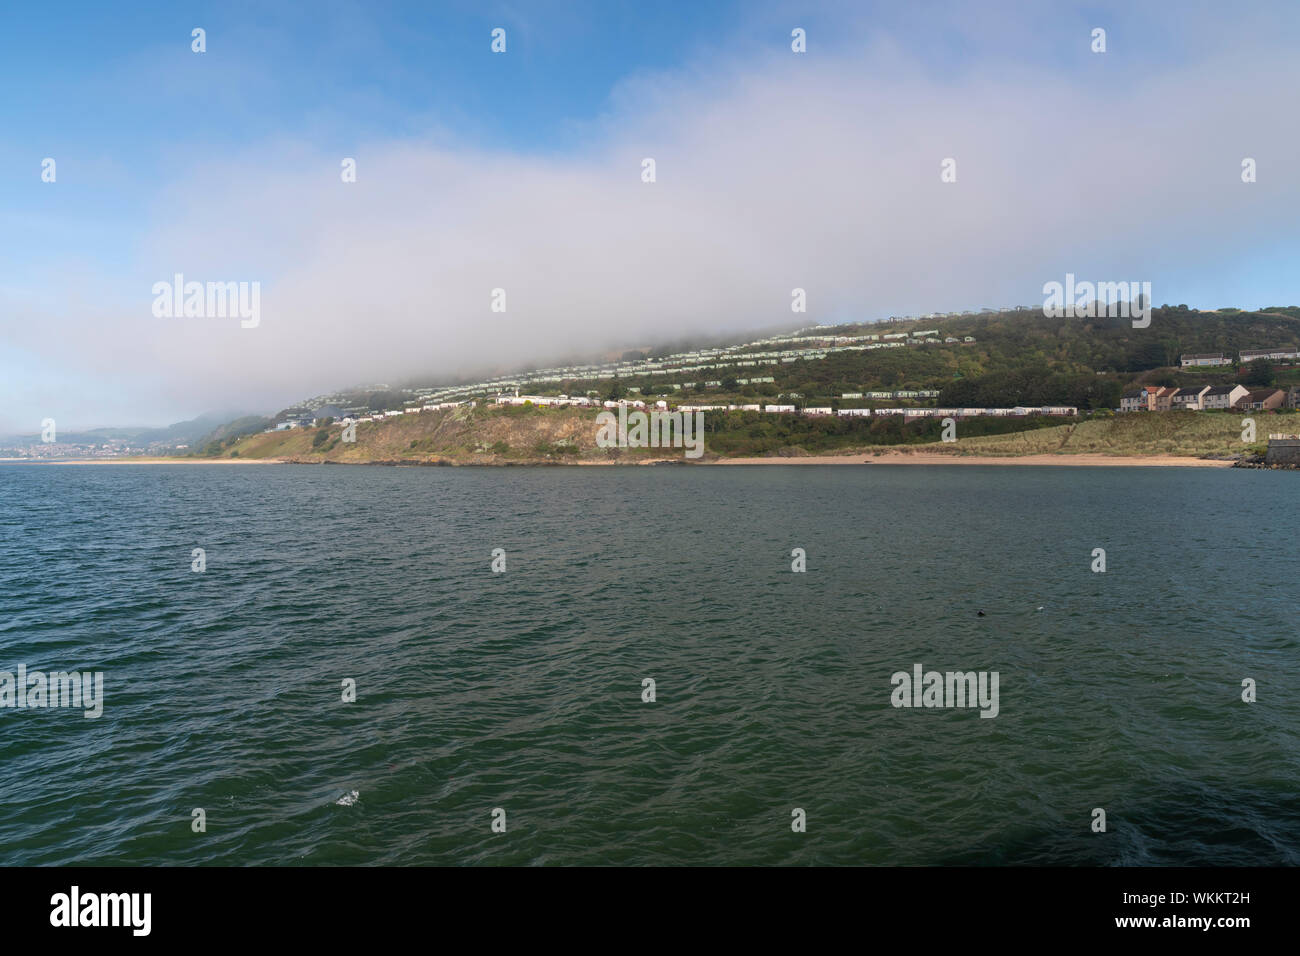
pixel 308 665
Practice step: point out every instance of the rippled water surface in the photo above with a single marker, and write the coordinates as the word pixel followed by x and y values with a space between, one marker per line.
pixel 523 690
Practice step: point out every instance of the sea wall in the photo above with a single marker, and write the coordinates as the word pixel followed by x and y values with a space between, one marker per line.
pixel 1283 452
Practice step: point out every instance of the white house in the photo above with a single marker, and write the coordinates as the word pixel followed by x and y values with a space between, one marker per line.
pixel 1274 355
pixel 1189 361
pixel 1134 401
pixel 1224 396
pixel 1190 398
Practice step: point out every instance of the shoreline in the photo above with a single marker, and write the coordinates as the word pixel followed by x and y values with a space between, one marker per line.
pixel 142 461
pixel 891 458
pixel 923 458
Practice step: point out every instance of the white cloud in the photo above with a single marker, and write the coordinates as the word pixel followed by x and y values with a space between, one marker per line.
pixel 773 172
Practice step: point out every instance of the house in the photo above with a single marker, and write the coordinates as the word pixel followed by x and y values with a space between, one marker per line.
pixel 1273 355
pixel 1224 396
pixel 1189 361
pixel 778 408
pixel 1164 399
pixel 1190 398
pixel 1262 399
pixel 1134 401
pixel 1293 397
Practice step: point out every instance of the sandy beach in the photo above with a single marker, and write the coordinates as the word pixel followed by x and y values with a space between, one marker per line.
pixel 152 461
pixel 903 458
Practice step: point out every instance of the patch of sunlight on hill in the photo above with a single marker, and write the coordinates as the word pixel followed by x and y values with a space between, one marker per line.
pixel 1145 433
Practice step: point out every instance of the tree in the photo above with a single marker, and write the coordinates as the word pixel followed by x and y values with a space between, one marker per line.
pixel 1257 374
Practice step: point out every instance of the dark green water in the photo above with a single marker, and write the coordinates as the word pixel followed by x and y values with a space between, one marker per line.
pixel 522 690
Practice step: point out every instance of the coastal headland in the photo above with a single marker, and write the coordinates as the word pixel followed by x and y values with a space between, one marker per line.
pixel 559 436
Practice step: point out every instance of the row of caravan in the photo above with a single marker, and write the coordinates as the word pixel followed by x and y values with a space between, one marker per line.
pixel 1018 412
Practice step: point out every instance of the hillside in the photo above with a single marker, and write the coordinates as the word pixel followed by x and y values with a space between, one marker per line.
pixel 1178 434
pixel 528 435
pixel 1003 358
pixel 994 359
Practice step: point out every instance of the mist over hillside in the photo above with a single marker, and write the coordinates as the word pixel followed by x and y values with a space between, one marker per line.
pixel 1014 355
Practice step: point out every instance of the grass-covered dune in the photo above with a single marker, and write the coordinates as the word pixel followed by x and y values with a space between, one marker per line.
pixel 1176 434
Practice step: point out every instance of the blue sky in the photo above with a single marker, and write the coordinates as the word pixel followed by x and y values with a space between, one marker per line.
pixel 173 161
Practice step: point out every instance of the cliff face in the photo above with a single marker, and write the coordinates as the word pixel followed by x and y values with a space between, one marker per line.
pixel 461 436
pixel 493 435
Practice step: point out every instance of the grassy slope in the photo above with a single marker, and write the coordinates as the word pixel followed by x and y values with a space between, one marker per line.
pixel 501 436
pixel 462 436
pixel 1185 434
